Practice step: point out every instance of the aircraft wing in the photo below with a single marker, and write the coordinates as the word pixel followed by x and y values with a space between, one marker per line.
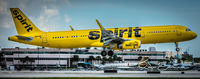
pixel 109 38
pixel 24 38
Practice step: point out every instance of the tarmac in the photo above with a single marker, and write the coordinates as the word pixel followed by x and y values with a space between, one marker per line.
pixel 136 74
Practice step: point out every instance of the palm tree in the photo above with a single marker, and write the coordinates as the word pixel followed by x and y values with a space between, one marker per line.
pixel 27 59
pixel 98 58
pixel 119 59
pixel 2 59
pixel 110 59
pixel 167 60
pixel 115 57
pixel 31 60
pixel 75 59
pixel 104 59
pixel 91 58
pixel 24 60
pixel 139 58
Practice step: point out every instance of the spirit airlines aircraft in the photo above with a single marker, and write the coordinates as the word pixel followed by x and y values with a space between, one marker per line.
pixel 111 38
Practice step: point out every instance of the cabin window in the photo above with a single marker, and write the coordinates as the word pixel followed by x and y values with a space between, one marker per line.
pixel 188 30
pixel 53 37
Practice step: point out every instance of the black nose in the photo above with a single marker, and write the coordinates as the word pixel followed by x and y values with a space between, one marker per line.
pixel 8 38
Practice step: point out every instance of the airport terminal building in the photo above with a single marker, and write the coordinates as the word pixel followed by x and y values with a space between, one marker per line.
pixel 64 58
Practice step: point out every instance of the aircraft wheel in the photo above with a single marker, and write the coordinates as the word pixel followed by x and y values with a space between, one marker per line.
pixel 110 53
pixel 177 49
pixel 103 53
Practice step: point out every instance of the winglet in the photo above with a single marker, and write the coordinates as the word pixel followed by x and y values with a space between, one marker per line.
pixel 100 26
pixel 71 28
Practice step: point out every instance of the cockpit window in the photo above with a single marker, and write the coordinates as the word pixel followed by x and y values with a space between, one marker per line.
pixel 188 30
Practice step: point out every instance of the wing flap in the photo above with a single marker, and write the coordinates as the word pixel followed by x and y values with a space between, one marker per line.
pixel 109 38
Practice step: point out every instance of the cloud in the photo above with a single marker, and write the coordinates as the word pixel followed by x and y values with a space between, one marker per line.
pixel 67 18
pixel 48 18
pixel 3 8
pixel 5 20
pixel 68 3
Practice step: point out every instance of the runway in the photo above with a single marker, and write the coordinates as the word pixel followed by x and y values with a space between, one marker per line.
pixel 135 74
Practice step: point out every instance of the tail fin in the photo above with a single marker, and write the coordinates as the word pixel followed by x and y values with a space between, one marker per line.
pixel 22 23
pixel 145 58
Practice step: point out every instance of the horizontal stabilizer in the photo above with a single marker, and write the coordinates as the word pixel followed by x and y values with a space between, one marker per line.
pixel 24 38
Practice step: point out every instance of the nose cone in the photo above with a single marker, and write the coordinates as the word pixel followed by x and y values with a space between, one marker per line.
pixel 8 38
pixel 194 35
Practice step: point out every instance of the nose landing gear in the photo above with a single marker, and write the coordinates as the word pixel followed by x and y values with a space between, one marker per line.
pixel 177 48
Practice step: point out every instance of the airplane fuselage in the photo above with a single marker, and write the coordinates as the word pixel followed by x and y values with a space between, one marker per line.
pixel 92 38
pixel 114 38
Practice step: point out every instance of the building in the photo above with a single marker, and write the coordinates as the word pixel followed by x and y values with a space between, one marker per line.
pixel 53 58
pixel 152 48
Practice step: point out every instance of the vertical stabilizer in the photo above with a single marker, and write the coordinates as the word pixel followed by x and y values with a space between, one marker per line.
pixel 22 23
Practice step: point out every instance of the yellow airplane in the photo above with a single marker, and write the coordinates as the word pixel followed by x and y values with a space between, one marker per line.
pixel 109 38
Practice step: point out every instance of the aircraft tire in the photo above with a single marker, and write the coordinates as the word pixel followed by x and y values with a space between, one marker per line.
pixel 110 53
pixel 177 49
pixel 103 53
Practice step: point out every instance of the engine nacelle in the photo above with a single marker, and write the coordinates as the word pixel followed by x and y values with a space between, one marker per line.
pixel 132 44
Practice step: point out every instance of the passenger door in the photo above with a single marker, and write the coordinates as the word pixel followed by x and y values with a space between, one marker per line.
pixel 44 39
pixel 178 31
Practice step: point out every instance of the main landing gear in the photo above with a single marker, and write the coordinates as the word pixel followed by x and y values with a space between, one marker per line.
pixel 104 53
pixel 177 48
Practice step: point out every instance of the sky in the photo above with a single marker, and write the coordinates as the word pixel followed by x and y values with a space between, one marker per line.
pixel 57 15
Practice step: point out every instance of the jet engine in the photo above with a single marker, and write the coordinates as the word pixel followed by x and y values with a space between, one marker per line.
pixel 132 44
